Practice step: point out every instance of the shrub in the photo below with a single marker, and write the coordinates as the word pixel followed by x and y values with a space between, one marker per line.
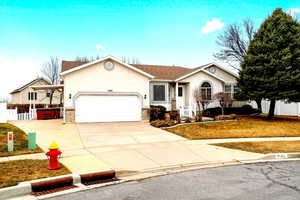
pixel 157 113
pixel 244 110
pixel 163 123
pixel 225 117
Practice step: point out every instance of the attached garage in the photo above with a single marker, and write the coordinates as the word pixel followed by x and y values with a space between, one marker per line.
pixel 108 108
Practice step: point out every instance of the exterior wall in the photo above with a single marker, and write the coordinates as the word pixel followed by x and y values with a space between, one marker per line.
pixel 196 80
pixel 169 95
pixel 22 97
pixel 224 75
pixel 97 79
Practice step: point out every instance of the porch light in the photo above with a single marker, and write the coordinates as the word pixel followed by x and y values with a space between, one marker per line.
pixel 70 96
pixel 145 96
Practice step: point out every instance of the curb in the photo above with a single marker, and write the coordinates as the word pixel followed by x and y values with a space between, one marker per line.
pixel 26 188
pixel 39 185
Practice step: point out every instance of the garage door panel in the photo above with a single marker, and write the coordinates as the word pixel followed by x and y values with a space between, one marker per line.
pixel 107 108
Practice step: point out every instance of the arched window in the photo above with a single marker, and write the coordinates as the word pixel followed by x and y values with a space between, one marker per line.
pixel 206 91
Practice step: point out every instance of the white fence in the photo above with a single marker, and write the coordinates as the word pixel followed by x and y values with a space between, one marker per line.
pixel 3 113
pixel 31 115
pixel 281 108
pixel 12 114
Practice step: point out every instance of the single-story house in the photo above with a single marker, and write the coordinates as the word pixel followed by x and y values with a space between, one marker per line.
pixel 26 95
pixel 108 90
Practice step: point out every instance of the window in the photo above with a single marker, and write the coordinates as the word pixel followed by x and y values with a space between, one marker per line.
pixel 228 88
pixel 159 92
pixel 235 89
pixel 206 91
pixel 32 95
pixel 180 91
pixel 48 94
pixel 231 89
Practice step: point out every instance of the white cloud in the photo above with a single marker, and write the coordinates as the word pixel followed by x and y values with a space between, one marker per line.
pixel 99 47
pixel 293 12
pixel 212 25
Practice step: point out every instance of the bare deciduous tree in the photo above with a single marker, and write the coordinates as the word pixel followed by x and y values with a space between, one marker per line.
pixel 201 102
pixel 50 71
pixel 86 58
pixel 129 60
pixel 234 42
pixel 224 100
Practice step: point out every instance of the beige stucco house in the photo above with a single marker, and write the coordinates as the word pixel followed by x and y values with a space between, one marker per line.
pixel 109 90
pixel 25 95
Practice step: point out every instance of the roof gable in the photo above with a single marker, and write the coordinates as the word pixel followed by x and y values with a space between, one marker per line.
pixel 29 84
pixel 72 66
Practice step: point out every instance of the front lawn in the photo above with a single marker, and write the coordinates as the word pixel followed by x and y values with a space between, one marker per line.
pixel 13 172
pixel 20 141
pixel 244 127
pixel 264 147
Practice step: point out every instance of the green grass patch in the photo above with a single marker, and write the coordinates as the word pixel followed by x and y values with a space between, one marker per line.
pixel 20 141
pixel 14 172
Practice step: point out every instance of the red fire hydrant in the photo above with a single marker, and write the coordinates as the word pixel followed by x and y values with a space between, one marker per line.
pixel 53 155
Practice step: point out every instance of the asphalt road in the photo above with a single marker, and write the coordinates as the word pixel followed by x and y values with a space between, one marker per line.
pixel 277 180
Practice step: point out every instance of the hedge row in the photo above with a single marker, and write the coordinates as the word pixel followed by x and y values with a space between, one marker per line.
pixel 244 110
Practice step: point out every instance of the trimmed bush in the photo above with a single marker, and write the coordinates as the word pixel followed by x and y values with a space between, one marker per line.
pixel 157 113
pixel 244 110
pixel 163 123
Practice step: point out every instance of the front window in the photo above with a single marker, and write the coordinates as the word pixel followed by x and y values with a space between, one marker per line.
pixel 32 95
pixel 159 92
pixel 180 91
pixel 231 89
pixel 206 91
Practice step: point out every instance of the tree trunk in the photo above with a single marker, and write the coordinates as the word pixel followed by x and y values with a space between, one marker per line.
pixel 258 102
pixel 51 97
pixel 222 108
pixel 272 108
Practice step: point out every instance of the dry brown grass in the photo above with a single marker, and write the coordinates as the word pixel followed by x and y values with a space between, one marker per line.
pixel 244 127
pixel 20 141
pixel 264 147
pixel 13 172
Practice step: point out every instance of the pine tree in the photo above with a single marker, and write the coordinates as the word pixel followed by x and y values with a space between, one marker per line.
pixel 271 66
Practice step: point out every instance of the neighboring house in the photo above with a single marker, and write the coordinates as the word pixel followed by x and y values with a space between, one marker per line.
pixel 24 95
pixel 108 89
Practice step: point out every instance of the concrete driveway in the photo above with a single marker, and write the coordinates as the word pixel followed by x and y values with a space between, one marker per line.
pixel 130 146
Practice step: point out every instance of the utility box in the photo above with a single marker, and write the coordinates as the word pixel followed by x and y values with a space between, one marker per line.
pixel 32 140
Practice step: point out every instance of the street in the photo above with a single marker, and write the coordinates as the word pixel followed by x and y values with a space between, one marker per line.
pixel 276 180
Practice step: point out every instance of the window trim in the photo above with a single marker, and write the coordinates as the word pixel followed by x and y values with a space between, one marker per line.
pixel 211 89
pixel 166 85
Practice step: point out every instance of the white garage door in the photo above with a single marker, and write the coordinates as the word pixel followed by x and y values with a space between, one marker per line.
pixel 107 108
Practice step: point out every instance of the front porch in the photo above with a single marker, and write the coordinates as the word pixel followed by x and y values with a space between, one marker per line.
pixel 173 96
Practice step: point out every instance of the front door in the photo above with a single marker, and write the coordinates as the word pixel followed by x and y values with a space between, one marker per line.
pixel 181 97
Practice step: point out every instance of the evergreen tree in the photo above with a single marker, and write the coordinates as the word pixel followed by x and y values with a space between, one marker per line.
pixel 271 66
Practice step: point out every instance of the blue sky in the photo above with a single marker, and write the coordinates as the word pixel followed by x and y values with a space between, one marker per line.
pixel 156 32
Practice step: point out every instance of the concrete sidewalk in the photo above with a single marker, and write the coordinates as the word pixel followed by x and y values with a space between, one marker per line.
pixel 133 146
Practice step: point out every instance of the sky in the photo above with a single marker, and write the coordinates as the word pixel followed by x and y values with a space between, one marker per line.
pixel 168 32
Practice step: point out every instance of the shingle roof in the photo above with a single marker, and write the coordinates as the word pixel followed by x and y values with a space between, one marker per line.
pixel 161 72
pixel 66 65
pixel 28 84
pixel 164 72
